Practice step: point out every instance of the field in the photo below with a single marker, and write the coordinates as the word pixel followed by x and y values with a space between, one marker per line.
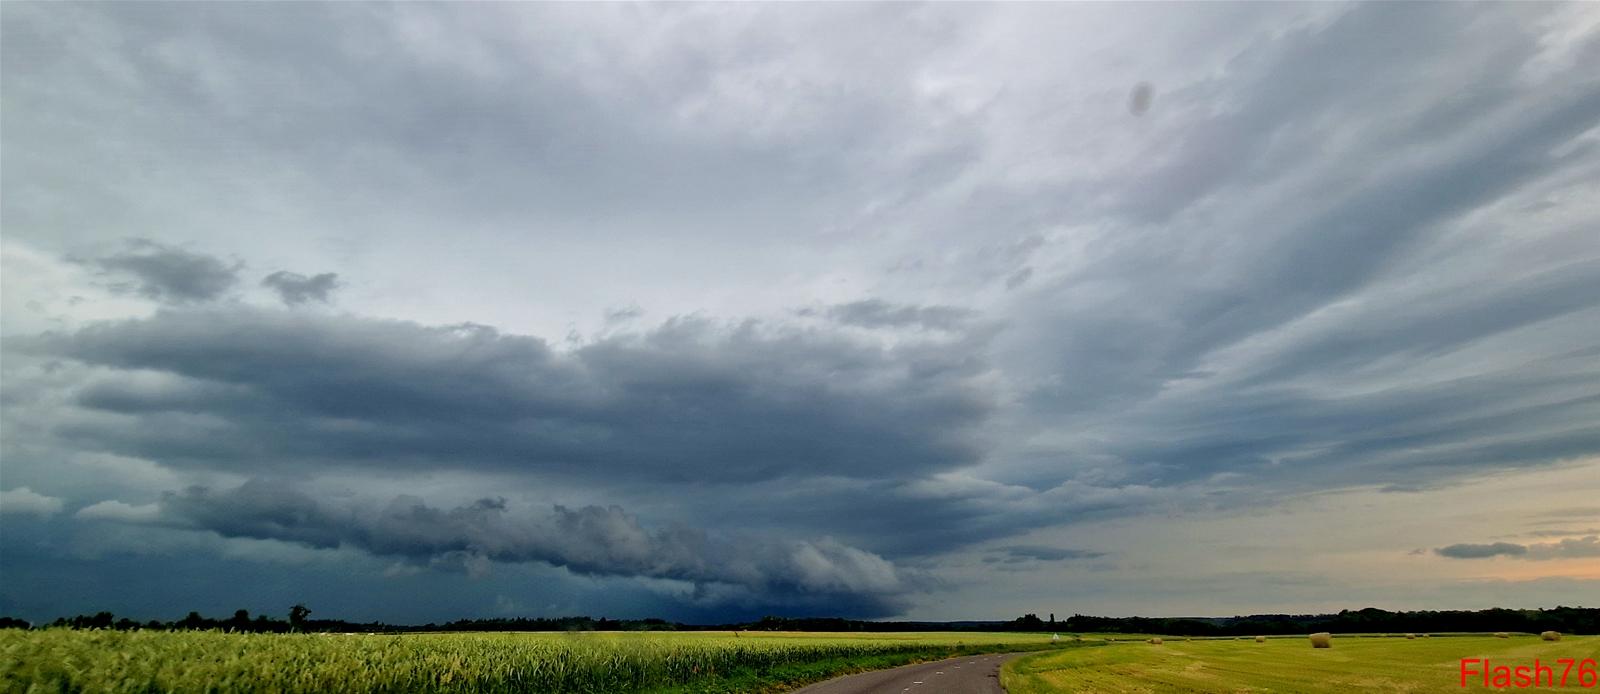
pixel 1291 665
pixel 64 660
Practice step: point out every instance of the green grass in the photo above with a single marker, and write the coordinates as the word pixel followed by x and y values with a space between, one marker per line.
pixel 64 660
pixel 1354 663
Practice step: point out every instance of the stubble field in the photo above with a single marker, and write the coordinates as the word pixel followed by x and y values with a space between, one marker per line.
pixel 1290 664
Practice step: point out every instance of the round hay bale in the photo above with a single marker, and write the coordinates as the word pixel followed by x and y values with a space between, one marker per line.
pixel 1501 635
pixel 1322 639
pixel 1261 639
pixel 1411 636
pixel 1155 641
pixel 1422 636
pixel 1550 635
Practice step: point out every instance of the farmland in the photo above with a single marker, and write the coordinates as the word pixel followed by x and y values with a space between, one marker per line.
pixel 1290 665
pixel 65 660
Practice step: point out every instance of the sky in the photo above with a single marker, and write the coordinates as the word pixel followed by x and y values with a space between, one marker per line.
pixel 415 312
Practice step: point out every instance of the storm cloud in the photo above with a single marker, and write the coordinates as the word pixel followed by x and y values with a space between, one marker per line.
pixel 690 400
pixel 167 273
pixel 592 540
pixel 294 288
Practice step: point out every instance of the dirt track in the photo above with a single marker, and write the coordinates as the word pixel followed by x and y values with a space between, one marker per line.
pixel 973 674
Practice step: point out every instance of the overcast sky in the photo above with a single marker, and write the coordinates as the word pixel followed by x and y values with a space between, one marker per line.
pixel 422 311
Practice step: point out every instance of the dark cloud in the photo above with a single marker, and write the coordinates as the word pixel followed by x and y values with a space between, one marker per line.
pixel 294 288
pixel 167 273
pixel 1471 551
pixel 1570 548
pixel 1043 553
pixel 876 313
pixel 1139 99
pixel 592 540
pixel 690 400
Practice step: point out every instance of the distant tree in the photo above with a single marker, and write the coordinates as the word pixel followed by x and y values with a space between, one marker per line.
pixel 297 616
pixel 193 621
pixel 14 623
pixel 1028 622
pixel 99 620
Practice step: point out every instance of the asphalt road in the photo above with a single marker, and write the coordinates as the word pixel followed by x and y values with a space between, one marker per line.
pixel 973 674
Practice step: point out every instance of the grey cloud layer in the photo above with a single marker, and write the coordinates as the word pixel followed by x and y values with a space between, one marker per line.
pixel 1291 308
pixel 294 288
pixel 1019 553
pixel 876 313
pixel 166 273
pixel 593 540
pixel 247 388
pixel 1570 548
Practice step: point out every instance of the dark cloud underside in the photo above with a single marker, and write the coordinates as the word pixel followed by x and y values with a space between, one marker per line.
pixel 688 401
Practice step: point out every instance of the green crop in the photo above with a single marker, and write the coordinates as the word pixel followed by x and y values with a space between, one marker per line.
pixel 65 660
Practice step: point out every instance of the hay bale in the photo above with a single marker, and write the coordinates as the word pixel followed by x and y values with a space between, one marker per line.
pixel 1261 639
pixel 1501 635
pixel 1322 639
pixel 1550 635
pixel 1155 641
pixel 1411 637
pixel 1422 636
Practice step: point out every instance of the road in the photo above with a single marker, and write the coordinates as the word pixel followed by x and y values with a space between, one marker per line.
pixel 973 674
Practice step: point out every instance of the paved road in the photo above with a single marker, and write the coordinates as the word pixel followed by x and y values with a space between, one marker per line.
pixel 973 674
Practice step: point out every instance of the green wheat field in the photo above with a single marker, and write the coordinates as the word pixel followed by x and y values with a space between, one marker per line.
pixel 65 660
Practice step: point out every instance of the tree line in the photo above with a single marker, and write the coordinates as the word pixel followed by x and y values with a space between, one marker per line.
pixel 1569 620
